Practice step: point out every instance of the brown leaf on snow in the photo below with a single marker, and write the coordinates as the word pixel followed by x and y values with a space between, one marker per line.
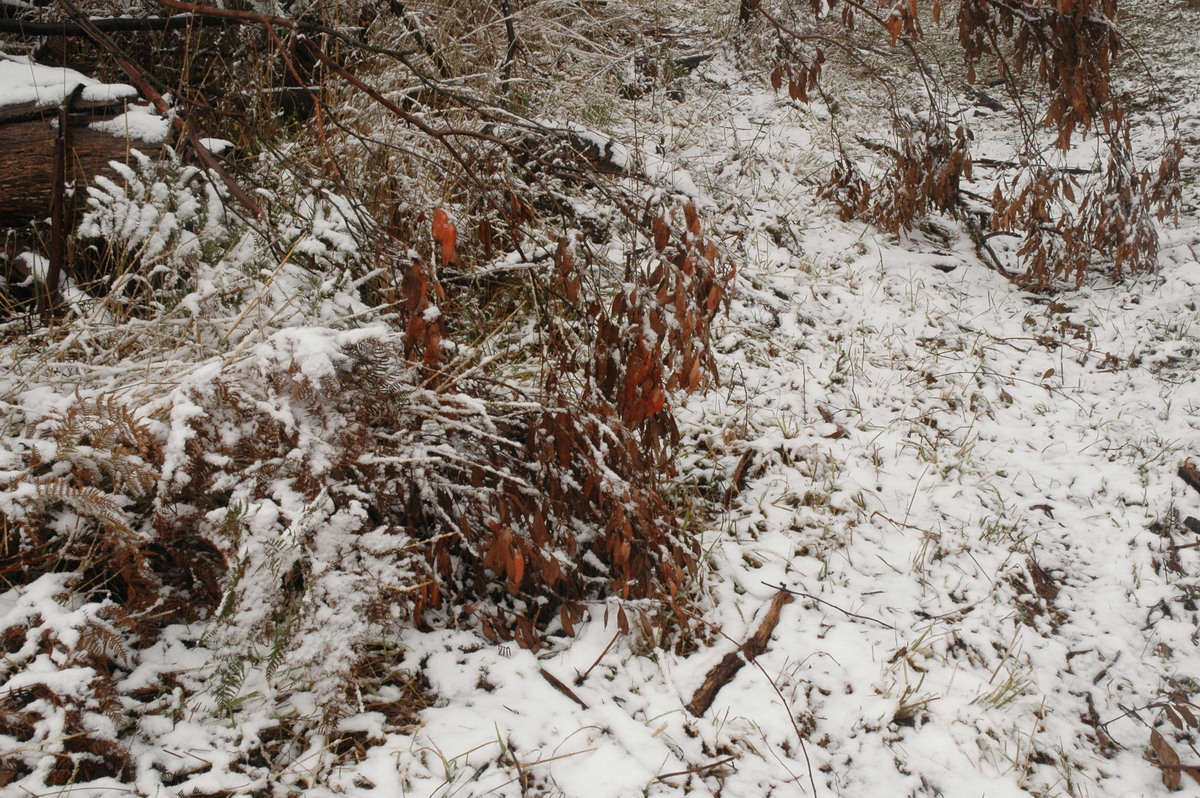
pixel 1168 760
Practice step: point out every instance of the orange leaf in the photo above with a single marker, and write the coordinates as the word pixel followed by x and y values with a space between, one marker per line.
pixel 714 298
pixel 446 235
pixel 692 218
pixel 563 257
pixel 516 571
pixel 656 400
pixel 693 376
pixel 485 237
pixel 662 233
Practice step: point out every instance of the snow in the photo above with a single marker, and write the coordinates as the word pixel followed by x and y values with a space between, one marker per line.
pixel 217 146
pixel 971 492
pixel 23 81
pixel 138 122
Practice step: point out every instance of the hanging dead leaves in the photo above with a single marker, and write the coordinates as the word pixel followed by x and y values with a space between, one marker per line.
pixel 803 78
pixel 1066 226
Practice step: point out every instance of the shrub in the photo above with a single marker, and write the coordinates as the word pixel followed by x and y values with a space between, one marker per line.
pixel 1064 52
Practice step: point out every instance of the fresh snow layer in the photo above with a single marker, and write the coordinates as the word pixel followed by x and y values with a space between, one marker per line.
pixel 22 81
pixel 970 490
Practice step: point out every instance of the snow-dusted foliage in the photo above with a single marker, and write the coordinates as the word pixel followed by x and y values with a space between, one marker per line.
pixel 467 467
pixel 306 461
pixel 162 212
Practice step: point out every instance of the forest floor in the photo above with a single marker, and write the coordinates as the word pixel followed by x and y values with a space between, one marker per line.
pixel 968 491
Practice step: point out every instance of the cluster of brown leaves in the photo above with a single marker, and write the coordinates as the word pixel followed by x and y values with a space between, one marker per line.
pixel 1070 44
pixel 1116 217
pixel 1178 711
pixel 927 168
pixel 652 341
pixel 1069 47
pixel 802 77
pixel 566 507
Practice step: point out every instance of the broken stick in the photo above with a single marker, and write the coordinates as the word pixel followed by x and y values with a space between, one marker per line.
pixel 1190 474
pixel 723 672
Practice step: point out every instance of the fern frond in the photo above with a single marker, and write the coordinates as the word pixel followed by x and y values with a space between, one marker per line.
pixel 101 437
pixel 99 641
pixel 89 502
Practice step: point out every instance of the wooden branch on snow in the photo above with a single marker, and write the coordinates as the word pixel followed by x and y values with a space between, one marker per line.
pixel 723 672
pixel 1190 474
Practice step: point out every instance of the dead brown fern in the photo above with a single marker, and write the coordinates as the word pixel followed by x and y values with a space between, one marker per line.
pixel 74 715
pixel 86 504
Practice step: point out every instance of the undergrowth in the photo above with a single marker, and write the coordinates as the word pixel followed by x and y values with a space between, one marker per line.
pixel 327 443
pixel 426 373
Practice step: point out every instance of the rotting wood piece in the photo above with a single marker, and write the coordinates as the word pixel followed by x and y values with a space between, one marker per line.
pixel 27 141
pixel 723 672
pixel 1190 474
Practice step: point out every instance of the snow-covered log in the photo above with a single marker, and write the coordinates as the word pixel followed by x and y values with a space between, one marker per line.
pixel 104 122
pixel 27 142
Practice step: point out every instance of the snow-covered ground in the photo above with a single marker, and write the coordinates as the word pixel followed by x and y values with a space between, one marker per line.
pixel 970 491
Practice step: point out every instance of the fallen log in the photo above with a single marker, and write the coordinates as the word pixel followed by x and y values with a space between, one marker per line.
pixel 25 27
pixel 723 672
pixel 27 168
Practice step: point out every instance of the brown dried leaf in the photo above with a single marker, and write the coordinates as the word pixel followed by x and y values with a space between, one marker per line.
pixel 691 217
pixel 662 233
pixel 1168 760
pixel 446 235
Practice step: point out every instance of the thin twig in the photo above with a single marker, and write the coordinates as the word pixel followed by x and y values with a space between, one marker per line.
pixel 884 624
pixel 584 675
pixel 697 769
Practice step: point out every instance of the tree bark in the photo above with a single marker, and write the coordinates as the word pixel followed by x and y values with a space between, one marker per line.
pixel 723 672
pixel 27 172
